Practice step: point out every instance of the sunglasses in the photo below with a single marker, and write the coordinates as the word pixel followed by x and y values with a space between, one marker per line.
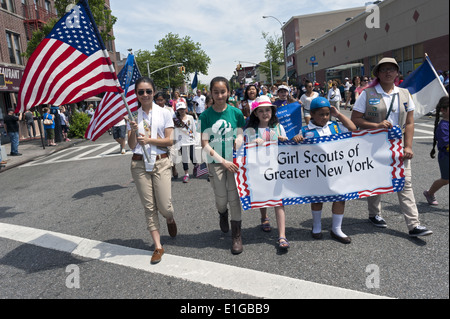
pixel 141 92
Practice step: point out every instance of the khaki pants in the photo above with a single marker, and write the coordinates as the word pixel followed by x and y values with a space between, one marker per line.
pixel 406 200
pixel 155 190
pixel 225 191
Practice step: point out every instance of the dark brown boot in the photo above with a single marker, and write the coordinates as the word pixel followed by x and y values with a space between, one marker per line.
pixel 236 246
pixel 224 226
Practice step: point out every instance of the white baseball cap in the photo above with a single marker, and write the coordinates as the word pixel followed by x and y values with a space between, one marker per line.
pixel 181 105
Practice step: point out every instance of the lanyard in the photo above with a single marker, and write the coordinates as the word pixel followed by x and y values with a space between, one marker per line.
pixel 392 105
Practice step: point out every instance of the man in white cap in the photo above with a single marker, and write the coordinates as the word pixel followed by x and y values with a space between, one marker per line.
pixel 384 106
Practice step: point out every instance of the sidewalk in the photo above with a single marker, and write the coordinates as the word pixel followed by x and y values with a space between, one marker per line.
pixel 32 149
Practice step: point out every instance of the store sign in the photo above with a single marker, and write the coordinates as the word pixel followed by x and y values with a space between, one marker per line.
pixel 10 78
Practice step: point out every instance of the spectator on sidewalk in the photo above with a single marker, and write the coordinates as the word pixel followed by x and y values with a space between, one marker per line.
pixel 2 162
pixel 29 121
pixel 12 128
pixel 64 123
pixel 49 128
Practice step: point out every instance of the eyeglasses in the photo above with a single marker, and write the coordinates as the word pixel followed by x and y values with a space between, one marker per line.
pixel 388 69
pixel 141 92
pixel 365 80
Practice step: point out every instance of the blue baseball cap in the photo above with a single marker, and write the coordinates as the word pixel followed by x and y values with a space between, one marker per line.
pixel 319 102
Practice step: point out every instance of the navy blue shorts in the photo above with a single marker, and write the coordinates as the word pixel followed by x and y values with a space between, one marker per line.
pixel 443 165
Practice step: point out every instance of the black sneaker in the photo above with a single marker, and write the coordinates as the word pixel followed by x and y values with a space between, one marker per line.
pixel 15 154
pixel 420 231
pixel 378 221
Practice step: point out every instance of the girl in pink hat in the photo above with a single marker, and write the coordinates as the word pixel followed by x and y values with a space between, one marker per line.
pixel 263 126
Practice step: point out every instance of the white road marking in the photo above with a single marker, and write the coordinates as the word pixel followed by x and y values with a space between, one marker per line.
pixel 245 281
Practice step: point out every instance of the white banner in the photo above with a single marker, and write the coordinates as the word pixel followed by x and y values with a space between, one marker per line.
pixel 335 168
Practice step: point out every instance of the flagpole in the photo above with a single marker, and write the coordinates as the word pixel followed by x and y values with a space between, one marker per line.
pixel 435 72
pixel 111 69
pixel 130 115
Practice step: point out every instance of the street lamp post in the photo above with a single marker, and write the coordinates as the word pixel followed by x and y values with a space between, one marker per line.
pixel 284 46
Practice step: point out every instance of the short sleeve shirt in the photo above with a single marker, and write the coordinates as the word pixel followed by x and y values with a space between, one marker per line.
pixel 221 128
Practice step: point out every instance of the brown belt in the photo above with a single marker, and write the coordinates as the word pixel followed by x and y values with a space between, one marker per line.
pixel 139 157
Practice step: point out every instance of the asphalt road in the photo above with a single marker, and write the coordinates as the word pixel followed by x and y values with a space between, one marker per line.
pixel 93 197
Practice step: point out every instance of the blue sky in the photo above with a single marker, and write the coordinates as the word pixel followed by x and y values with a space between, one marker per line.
pixel 228 30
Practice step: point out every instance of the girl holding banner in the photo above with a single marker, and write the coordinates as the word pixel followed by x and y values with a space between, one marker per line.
pixel 263 126
pixel 384 105
pixel 320 125
pixel 220 125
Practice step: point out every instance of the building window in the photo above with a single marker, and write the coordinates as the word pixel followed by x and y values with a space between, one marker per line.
pixel 48 6
pixel 13 41
pixel 8 5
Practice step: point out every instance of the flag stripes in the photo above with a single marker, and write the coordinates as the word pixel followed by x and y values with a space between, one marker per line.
pixel 69 65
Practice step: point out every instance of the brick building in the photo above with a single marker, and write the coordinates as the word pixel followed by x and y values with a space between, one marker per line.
pixel 18 20
pixel 405 30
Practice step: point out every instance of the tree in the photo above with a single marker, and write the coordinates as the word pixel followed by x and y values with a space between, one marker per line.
pixel 273 52
pixel 102 16
pixel 170 50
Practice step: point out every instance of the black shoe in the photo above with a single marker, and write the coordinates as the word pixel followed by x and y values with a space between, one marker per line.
pixel 420 231
pixel 344 240
pixel 224 225
pixel 15 154
pixel 378 221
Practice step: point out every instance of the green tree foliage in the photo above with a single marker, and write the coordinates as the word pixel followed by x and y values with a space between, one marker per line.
pixel 273 52
pixel 170 50
pixel 78 124
pixel 102 15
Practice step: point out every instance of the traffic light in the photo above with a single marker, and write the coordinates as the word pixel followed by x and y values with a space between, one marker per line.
pixel 182 69
pixel 239 67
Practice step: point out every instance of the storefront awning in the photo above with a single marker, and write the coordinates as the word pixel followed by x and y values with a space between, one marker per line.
pixel 345 67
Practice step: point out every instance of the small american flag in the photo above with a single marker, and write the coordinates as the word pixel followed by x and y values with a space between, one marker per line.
pixel 111 109
pixel 202 169
pixel 70 65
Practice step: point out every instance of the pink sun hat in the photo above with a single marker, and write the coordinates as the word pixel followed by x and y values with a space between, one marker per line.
pixel 262 100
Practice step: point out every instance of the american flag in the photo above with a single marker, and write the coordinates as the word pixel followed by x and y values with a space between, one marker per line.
pixel 202 169
pixel 112 109
pixel 70 65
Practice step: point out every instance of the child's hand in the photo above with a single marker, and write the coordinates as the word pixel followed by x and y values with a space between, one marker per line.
pixel 334 111
pixel 282 139
pixel 298 138
pixel 259 141
pixel 230 166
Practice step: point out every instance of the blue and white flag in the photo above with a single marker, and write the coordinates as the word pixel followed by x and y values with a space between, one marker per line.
pixel 195 82
pixel 290 116
pixel 425 87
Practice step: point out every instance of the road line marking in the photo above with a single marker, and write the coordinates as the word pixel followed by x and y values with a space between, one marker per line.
pixel 242 280
pixel 426 125
pixel 423 131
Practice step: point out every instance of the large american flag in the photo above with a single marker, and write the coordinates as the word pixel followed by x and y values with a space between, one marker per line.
pixel 70 65
pixel 111 109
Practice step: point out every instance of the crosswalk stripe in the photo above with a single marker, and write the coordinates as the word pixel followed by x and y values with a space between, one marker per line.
pixel 246 281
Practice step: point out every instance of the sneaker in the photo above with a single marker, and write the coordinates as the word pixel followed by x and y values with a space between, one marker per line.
pixel 186 179
pixel 378 221
pixel 430 199
pixel 123 151
pixel 420 231
pixel 15 154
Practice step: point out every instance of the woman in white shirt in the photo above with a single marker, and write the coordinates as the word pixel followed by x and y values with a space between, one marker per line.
pixel 185 132
pixel 306 99
pixel 334 96
pixel 152 130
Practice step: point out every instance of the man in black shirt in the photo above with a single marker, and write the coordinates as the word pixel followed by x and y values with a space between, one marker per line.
pixel 12 128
